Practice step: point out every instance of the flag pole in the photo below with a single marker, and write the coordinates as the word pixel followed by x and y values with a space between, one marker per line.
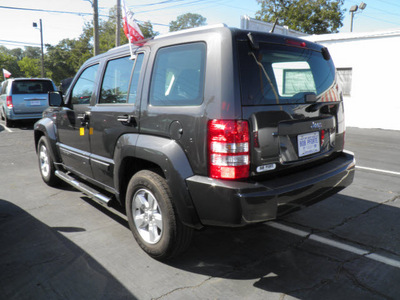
pixel 131 29
pixel 130 48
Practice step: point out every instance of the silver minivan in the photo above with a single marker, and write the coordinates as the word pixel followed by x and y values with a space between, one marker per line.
pixel 24 98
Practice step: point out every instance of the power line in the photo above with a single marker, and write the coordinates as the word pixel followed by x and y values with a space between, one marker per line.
pixel 157 3
pixel 369 7
pixel 70 12
pixel 172 6
pixel 381 20
pixel 19 43
pixel 387 2
pixel 49 11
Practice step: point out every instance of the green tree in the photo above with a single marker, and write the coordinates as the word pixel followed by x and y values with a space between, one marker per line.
pixel 187 20
pixel 308 16
pixel 147 30
pixel 9 62
pixel 18 53
pixel 107 31
pixel 30 66
pixel 32 52
pixel 63 60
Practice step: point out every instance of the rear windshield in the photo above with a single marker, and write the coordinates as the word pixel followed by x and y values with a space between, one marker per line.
pixel 32 87
pixel 280 74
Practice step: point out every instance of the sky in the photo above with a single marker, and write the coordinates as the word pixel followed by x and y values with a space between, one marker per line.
pixel 17 16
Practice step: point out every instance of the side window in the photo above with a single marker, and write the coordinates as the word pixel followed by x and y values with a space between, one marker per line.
pixel 178 75
pixel 135 79
pixel 114 88
pixel 84 87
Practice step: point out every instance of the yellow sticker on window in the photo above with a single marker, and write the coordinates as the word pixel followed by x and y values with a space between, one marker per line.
pixel 82 131
pixel 91 130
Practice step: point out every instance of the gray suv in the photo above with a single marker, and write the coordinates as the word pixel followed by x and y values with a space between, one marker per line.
pixel 205 127
pixel 24 98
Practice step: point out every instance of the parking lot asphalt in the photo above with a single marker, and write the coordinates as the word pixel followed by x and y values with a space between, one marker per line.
pixel 58 244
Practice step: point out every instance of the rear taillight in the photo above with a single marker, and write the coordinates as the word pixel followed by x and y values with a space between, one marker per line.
pixel 9 102
pixel 322 137
pixel 228 146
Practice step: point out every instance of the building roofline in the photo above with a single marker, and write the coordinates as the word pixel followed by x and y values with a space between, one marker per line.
pixel 353 35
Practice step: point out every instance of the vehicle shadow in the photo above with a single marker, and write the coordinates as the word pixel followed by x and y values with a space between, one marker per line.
pixel 304 268
pixel 38 262
pixel 21 125
pixel 281 262
pixel 25 124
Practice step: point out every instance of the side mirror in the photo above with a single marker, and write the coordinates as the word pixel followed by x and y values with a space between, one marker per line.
pixel 55 99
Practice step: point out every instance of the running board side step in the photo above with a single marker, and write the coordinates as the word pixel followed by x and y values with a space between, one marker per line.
pixel 87 190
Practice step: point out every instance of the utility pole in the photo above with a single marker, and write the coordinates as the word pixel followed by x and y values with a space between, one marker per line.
pixel 96 27
pixel 118 27
pixel 41 46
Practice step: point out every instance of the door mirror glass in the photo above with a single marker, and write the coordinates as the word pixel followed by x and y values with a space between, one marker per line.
pixel 55 99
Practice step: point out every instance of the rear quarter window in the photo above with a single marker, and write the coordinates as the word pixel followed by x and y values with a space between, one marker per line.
pixel 32 87
pixel 178 75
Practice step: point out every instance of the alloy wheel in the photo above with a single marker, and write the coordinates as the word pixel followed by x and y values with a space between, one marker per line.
pixel 147 216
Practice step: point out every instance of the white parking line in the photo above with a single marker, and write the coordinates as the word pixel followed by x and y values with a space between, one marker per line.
pixel 6 128
pixel 378 170
pixel 339 245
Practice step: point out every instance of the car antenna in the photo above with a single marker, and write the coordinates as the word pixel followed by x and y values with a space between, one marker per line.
pixel 273 26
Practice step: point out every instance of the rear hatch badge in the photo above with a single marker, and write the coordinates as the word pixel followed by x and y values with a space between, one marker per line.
pixel 265 168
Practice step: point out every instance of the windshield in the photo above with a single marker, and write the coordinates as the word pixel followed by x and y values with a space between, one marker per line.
pixel 280 74
pixel 32 87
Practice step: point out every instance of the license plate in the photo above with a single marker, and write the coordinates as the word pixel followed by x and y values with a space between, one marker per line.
pixel 35 103
pixel 308 143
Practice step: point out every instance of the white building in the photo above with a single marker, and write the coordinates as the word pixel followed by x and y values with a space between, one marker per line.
pixel 368 66
pixel 256 25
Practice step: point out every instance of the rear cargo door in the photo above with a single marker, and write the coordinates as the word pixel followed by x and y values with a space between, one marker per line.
pixel 292 102
pixel 30 96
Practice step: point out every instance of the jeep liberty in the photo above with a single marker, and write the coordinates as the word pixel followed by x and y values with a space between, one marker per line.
pixel 213 126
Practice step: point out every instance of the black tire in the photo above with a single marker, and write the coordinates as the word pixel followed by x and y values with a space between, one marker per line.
pixel 157 229
pixel 9 123
pixel 46 163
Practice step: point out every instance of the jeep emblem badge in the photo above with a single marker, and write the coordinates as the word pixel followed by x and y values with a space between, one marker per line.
pixel 316 125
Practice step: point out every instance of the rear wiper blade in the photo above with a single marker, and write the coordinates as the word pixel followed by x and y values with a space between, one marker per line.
pixel 266 75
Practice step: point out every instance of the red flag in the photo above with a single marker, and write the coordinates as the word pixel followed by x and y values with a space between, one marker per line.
pixel 6 73
pixel 131 29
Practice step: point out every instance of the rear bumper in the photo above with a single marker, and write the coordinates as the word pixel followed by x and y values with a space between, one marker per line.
pixel 21 116
pixel 231 203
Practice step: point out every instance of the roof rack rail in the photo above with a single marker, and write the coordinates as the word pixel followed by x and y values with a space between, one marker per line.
pixel 219 25
pixel 137 44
